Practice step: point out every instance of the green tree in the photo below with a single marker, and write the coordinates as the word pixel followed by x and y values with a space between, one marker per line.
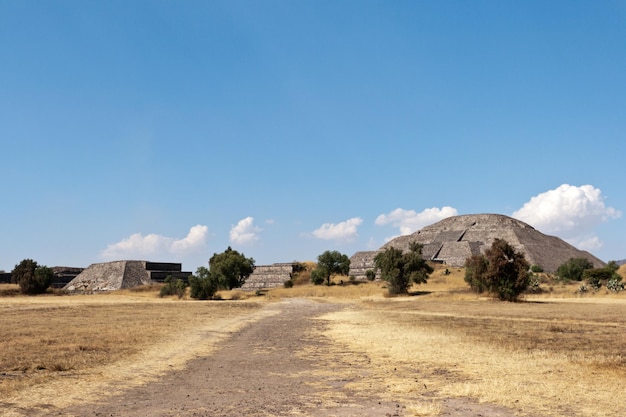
pixel 203 285
pixel 231 268
pixel 401 269
pixel 502 271
pixel 332 263
pixel 573 269
pixel 31 277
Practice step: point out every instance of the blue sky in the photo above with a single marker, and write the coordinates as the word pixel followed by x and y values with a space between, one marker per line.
pixel 169 130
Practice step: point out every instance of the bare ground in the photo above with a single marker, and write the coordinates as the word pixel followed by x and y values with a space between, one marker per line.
pixel 280 365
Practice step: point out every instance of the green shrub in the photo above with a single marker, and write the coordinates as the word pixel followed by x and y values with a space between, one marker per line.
pixel 595 276
pixel 203 285
pixel 288 283
pixel 534 285
pixel 536 268
pixel 176 287
pixel 370 274
pixel 318 276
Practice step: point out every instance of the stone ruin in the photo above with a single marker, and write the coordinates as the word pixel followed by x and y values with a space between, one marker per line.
pixel 116 275
pixel 265 277
pixel 451 241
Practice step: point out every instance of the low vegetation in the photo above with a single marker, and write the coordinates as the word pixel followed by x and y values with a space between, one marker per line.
pixel 172 286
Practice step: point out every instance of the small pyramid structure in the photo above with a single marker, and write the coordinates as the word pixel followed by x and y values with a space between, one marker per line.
pixel 108 276
pixel 265 277
pixel 451 241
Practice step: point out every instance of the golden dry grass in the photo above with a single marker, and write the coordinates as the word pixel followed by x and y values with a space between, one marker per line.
pixel 541 358
pixel 127 336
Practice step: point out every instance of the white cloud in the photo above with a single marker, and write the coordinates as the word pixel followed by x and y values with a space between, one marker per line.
pixel 569 212
pixel 590 243
pixel 138 246
pixel 244 232
pixel 409 221
pixel 195 238
pixel 344 231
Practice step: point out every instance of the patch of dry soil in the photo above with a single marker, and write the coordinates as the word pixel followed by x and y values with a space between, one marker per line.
pixel 277 366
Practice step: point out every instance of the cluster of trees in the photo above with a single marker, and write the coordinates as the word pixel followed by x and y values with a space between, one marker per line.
pixel 399 269
pixel 579 269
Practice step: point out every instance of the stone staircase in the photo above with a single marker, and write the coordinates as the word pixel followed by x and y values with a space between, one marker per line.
pixel 265 277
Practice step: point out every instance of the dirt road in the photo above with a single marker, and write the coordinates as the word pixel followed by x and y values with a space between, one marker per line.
pixel 281 365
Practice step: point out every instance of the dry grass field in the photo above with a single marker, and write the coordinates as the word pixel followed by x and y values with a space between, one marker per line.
pixel 541 358
pixel 85 340
pixel 553 354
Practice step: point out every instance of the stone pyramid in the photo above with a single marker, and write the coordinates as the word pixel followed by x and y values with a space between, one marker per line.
pixel 452 240
pixel 109 276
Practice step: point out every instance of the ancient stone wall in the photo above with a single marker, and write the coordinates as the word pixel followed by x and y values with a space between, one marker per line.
pixel 135 274
pixel 269 276
pixel 360 263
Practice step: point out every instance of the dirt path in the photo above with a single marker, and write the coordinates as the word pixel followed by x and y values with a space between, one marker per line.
pixel 278 366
